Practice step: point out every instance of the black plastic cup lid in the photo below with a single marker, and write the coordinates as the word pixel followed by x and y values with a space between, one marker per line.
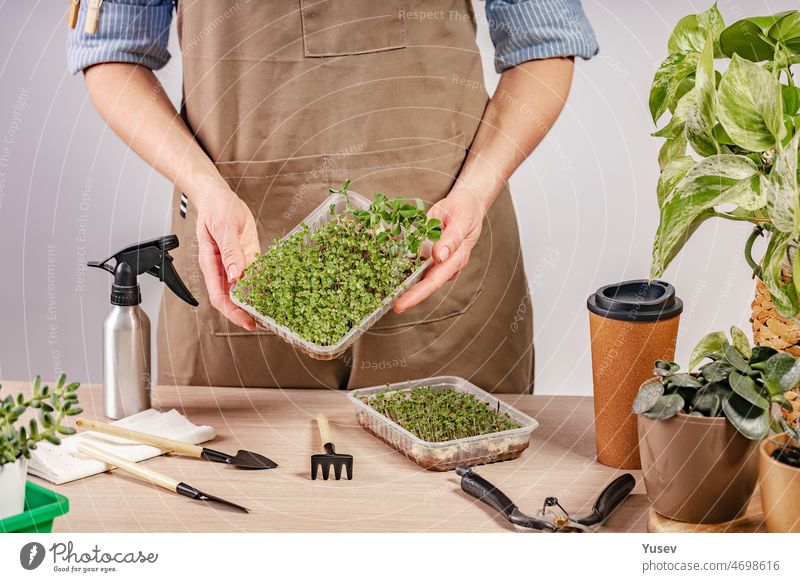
pixel 638 300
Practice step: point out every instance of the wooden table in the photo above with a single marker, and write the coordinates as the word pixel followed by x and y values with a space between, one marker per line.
pixel 388 492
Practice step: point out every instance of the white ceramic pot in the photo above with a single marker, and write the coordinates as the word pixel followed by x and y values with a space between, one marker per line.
pixel 12 487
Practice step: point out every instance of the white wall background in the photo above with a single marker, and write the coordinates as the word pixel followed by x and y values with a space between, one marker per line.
pixel 71 192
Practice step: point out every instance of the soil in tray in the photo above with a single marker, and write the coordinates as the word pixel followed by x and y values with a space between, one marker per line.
pixel 447 460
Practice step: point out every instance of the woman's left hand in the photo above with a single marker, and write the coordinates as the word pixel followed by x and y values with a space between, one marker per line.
pixel 461 213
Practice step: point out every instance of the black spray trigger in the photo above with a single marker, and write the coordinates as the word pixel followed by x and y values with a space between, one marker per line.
pixel 151 257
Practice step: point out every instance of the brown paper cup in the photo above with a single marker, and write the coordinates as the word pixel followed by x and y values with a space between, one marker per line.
pixel 632 325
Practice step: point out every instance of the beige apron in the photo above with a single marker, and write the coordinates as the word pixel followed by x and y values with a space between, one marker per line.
pixel 289 98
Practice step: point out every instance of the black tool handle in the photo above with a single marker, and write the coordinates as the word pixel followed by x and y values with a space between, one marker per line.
pixel 609 499
pixel 151 257
pixel 482 490
pixel 170 276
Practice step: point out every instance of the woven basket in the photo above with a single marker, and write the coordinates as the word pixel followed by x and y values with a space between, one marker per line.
pixel 773 330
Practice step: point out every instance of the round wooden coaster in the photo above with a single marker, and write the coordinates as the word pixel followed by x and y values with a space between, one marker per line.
pixel 751 522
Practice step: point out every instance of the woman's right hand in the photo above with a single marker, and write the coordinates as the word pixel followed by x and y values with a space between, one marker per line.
pixel 228 241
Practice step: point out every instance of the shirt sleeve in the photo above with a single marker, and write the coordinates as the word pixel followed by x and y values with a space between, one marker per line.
pixel 129 31
pixel 524 30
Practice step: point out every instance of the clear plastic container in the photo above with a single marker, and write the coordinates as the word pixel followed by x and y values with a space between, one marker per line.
pixel 445 455
pixel 322 215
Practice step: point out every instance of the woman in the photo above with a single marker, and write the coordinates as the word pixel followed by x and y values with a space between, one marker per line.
pixel 285 99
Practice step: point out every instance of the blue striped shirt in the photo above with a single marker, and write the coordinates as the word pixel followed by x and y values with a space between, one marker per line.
pixel 137 31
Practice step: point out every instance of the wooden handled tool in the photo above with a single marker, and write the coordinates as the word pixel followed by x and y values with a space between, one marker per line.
pixel 243 459
pixel 163 443
pixel 151 476
pixel 330 458
pixel 129 467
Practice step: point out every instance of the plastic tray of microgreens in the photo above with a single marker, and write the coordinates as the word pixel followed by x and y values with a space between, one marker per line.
pixel 334 207
pixel 458 423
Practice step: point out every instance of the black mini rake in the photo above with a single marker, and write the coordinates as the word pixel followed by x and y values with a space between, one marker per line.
pixel 330 458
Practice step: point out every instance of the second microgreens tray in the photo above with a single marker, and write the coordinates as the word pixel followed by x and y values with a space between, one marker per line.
pixel 506 435
pixel 337 273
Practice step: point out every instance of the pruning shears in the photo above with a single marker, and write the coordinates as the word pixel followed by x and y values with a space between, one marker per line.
pixel 553 517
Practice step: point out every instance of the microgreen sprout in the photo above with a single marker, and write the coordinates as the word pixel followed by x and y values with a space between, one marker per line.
pixel 439 415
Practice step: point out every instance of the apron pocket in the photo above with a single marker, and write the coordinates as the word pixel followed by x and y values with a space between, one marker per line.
pixel 351 27
pixel 447 309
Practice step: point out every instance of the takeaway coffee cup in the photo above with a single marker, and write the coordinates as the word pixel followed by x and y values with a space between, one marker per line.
pixel 632 324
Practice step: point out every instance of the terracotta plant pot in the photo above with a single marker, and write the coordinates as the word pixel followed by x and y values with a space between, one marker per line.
pixel 697 469
pixel 12 487
pixel 780 489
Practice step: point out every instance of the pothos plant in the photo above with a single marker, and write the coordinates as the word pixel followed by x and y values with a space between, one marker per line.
pixel 731 141
pixel 321 282
pixel 738 382
pixel 53 405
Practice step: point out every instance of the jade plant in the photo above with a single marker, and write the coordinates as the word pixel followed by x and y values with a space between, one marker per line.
pixel 322 282
pixel 737 381
pixel 731 140
pixel 53 405
pixel 439 415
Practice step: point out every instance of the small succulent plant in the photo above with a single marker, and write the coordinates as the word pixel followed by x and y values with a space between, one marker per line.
pixel 320 283
pixel 53 406
pixel 738 382
pixel 439 415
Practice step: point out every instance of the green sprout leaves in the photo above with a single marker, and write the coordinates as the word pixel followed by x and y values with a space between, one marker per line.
pixel 439 415
pixel 52 405
pixel 321 283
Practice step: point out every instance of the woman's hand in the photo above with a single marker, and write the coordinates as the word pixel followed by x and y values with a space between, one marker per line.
pixel 228 241
pixel 461 213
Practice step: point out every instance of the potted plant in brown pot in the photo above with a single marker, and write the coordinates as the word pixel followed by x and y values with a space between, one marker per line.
pixel 699 431
pixel 730 151
pixel 779 479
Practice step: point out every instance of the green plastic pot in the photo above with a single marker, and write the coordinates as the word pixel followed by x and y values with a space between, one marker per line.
pixel 42 506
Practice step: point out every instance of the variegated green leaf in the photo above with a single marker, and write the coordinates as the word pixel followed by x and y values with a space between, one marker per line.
pixel 690 32
pixel 699 136
pixel 700 112
pixel 740 342
pixel 705 86
pixel 750 106
pixel 676 126
pixel 710 344
pixel 719 179
pixel 782 194
pixel 668 78
pixel 784 295
pixel 672 148
pixel 672 175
